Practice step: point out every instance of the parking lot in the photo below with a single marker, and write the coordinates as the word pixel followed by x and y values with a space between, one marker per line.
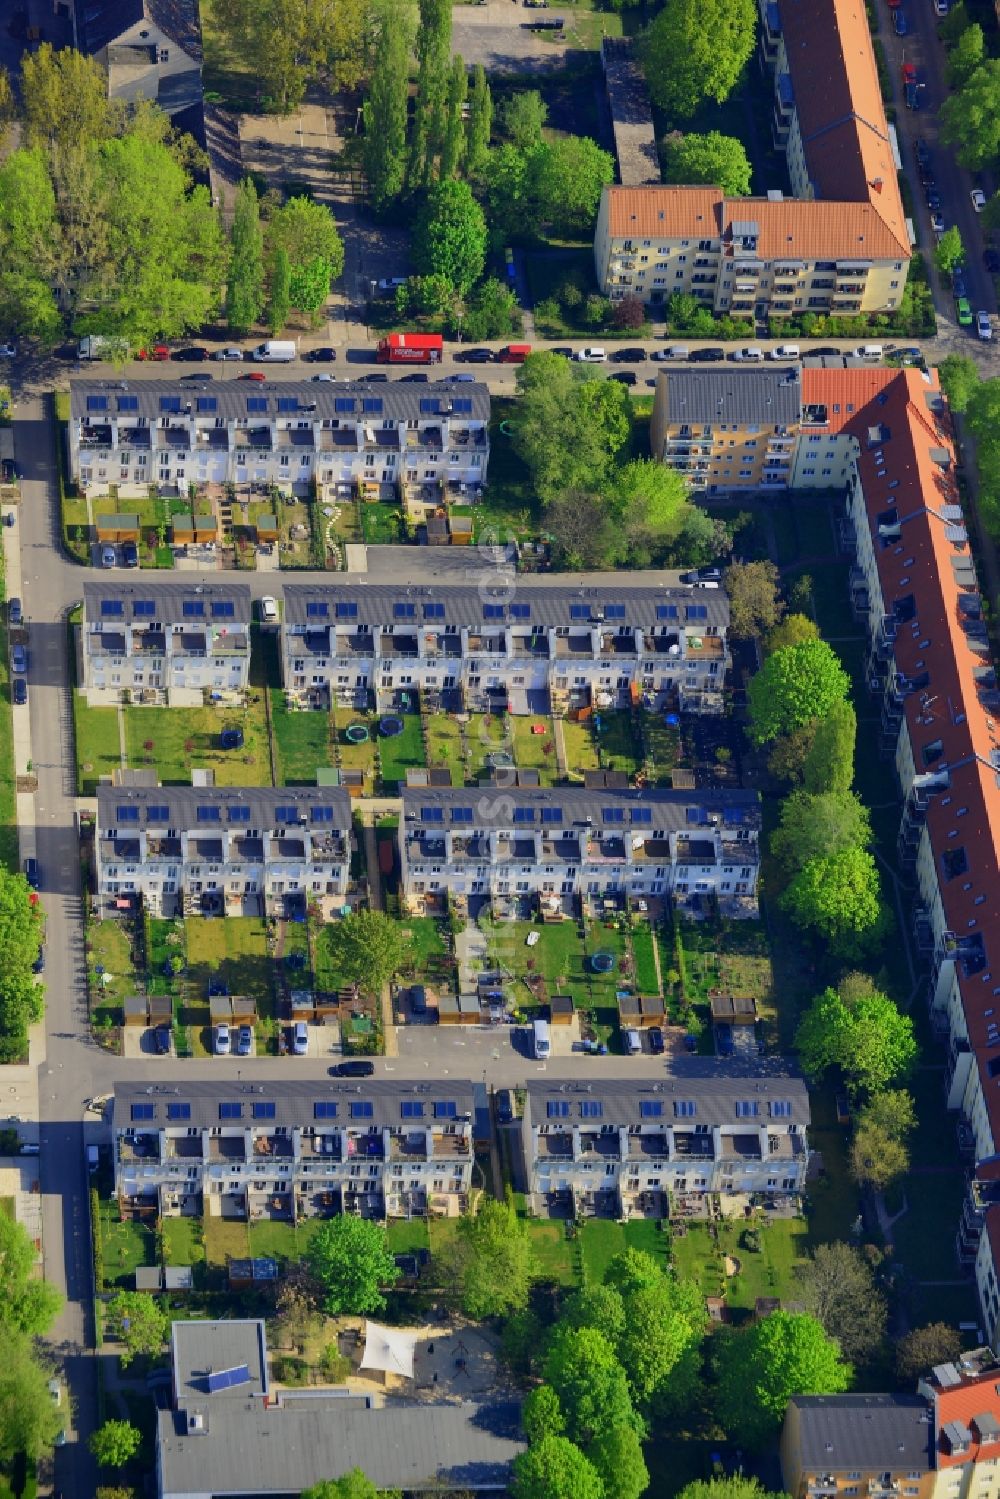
pixel 497 35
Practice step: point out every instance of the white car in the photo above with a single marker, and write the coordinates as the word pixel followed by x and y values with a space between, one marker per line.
pixel 300 1038
pixel 231 353
pixel 269 610
pixel 592 356
pixel 223 1041
pixel 328 378
pixel 633 1043
pixel 941 8
pixel 984 327
pixel 978 199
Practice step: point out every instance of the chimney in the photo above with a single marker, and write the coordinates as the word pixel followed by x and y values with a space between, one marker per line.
pixel 877 184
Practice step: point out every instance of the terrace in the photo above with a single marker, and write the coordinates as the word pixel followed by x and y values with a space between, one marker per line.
pixel 184 1147
pixel 320 1147
pixel 442 643
pixel 444 1145
pixel 273 1205
pixel 368 1146
pixel 741 1147
pixel 558 1145
pixel 531 646
pixel 408 1145
pixel 621 643
pixel 487 643
pixel 227 1148
pixel 696 851
pixel 144 1147
pixel 574 645
pixel 601 1142
pixel 648 1146
pixel 272 1146
pixel 705 648
pixel 687 1145
pixel 659 643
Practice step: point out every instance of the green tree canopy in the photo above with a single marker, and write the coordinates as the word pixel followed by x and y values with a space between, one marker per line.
pixel 522 117
pixel 115 1443
pixel 492 1260
pixel 541 1414
pixel 589 1381
pixel 959 378
pixel 949 251
pixel 837 1287
pixel 794 686
pixel 815 827
pixel 245 288
pixel 383 149
pixel 838 896
pixel 450 235
pixel 794 629
pixel 564 181
pixel 430 107
pixel 138 1322
pixel 365 947
pixel 695 50
pixel 351 1261
pixel 966 56
pixel 352 1485
pixel 307 232
pixel 600 1306
pixel 480 122
pixel 64 97
pixel 29 1419
pixel 555 1469
pixel 759 1367
pixel 617 1457
pixel 584 532
pixel 719 160
pixel 863 1034
pixel 924 1348
pixel 733 1487
pixel 970 117
pixel 877 1158
pixel 892 1111
pixel 286 44
pixel 21 998
pixel 754 597
pixel 649 504
pixel 828 765
pixel 279 300
pixel 566 432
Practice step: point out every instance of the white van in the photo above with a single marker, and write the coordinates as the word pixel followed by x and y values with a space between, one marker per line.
pixel 633 1042
pixel 752 355
pixel 675 351
pixel 541 1041
pixel 275 351
pixel 787 351
pixel 868 351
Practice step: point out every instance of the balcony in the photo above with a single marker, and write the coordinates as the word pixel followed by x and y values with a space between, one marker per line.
pixel 603 1143
pixel 145 1147
pixel 320 1148
pixel 445 1146
pixel 649 1147
pixel 574 645
pixel 368 1146
pixel 741 1148
pixel 227 1148
pixel 408 1145
pixel 271 1147
pixel 558 1146
pixel 184 1148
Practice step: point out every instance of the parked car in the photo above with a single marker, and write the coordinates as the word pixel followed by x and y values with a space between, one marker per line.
pixel 199 379
pixel 751 355
pixel 300 1038
pixel 899 25
pixel 984 327
pixel 321 356
pixel 108 557
pixel 19 692
pixel 632 1042
pixel 629 356
pixel 963 312
pixel 624 377
pixel 358 1068
pixel 476 356
pixel 655 1039
pixel 563 352
pixel 940 9
pixel 390 283
pixel 161 1040
pixel 38 966
pixel 958 286
pixel 193 355
pixel 504 1105
pixel 937 222
pixel 130 554
pixel 375 379
pixel 15 612
pixel 702 575
pixel 823 353
pixel 244 1041
pixel 459 379
pixel 257 375
pixel 592 354
pixel 707 356
pixel 991 260
pixel 33 873
pixel 18 658
pixel 223 1041
pixel 978 199
pixel 933 198
pixel 418 1000
pixel 8 350
pixel 329 379
pixel 416 378
pixel 157 353
pixel 922 151
pixel 229 353
pixel 269 610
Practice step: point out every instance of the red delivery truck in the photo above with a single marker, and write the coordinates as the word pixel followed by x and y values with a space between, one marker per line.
pixel 409 348
pixel 514 354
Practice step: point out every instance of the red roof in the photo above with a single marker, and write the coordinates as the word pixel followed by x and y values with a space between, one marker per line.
pixel 974 1396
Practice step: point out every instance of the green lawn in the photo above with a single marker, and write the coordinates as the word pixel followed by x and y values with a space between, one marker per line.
pixel 770 1272
pixel 233 949
pixel 645 963
pixel 487 734
pixel 445 745
pixel 176 740
pixel 403 751
pixel 109 947
pixel 356 756
pixel 535 751
pixel 563 962
pixel 557 1256
pixel 226 1238
pixel 301 742
pixel 126 1246
pixel 581 752
pixel 428 955
pixel 407 1235
pixel 614 736
pixel 183 1241
pixel 601 1240
pixel 98 751
pixel 381 523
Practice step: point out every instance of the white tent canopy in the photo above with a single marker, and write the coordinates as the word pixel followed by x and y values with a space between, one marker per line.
pixel 389 1349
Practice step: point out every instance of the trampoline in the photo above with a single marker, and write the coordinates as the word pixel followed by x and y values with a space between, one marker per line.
pixel 603 961
pixel 672 720
pixel 356 733
pixel 231 739
pixel 390 726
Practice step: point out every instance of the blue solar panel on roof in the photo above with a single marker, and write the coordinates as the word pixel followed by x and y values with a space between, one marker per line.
pixel 348 610
pixel 462 405
pixel 256 403
pixel 372 404
pixel 112 608
pixel 128 403
pixel 321 814
pixel 223 609
pixel 288 403
pixel 207 403
pixel 144 608
pixel 227 1379
pixel 97 403
pixel 193 608
pixel 344 403
pixel 170 403
pixel 208 813
pixel 237 812
pixel 445 1110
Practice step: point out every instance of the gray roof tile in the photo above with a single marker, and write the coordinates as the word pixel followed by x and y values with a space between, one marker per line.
pixel 765 396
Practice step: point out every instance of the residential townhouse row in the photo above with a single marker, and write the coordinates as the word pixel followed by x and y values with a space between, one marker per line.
pixel 520 850
pixel 943 1442
pixel 620 1148
pixel 485 638
pixel 841 244
pixel 475 636
pixel 328 438
pixel 928 662
pixel 291 1149
pixel 223 851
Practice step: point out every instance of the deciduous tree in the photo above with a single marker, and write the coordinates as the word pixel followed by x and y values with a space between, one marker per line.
pixel 115 1443
pixel 794 629
pixel 555 1469
pixel 351 1261
pixel 384 144
pixel 968 53
pixel 814 827
pixel 649 503
pixel 352 1485
pixel 924 1348
pixel 138 1322
pixel 863 1034
pixel 828 765
pixel 492 1260
pixel 245 287
pixel 837 1287
pixel 734 1487
pixel 617 1458
pixel 29 1419
pixel 720 160
pixel 567 434
pixel 64 99
pixel 307 232
pixel 287 43
pixel 759 1367
pixel 958 374
pixel 970 117
pixel 589 1381
pixel 522 117
pixel 430 105
pixel 949 251
pixel 541 1415
pixel 695 50
pixel 279 301
pixel 491 311
pixel 794 686
pixel 564 181
pixel 450 235
pixel 877 1159
pixel 584 535
pixel 453 146
pixel 754 590
pixel 838 896
pixel 365 947
pixel 480 122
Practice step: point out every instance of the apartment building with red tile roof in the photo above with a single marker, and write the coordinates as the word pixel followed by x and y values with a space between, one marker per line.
pixel 840 244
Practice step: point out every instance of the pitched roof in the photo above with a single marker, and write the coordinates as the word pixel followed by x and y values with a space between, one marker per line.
pixel 966 1410
pixel 193 604
pixel 881 1432
pixel 350 401
pixel 160 807
pixel 619 813
pixel 101 22
pixel 710 1092
pixel 664 212
pixel 365 1103
pixel 767 396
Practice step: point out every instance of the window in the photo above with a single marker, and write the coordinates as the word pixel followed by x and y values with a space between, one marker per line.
pixel 231 1110
pixel 650 1108
pixel 557 1108
pixel 324 1109
pixel 208 814
pixel 747 1108
pixel 362 1109
pixel 178 1111
pixel 461 814
pixel 236 812
pixel 685 1108
pixel 411 1108
pixel 591 1108
pixel 445 1110
pixel 112 608
pixel 345 610
pixel 141 1111
pixel 263 1110
pixel 404 611
pixel 223 609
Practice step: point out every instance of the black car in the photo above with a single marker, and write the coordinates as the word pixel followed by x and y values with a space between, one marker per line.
pixel 193 355
pixel 198 379
pixel 920 147
pixel 707 356
pixel 33 873
pixel 353 1069
pixel 628 356
pixel 418 1000
pixel 130 554
pixel 375 379
pixel 322 356
pixel 564 353
pixel 161 1040
pixel 19 692
pixel 624 377
pixel 417 378
pixel 655 1039
pixel 38 966
pixel 958 286
pixel 476 356
pixel 991 260
pixel 703 575
pixel 824 353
